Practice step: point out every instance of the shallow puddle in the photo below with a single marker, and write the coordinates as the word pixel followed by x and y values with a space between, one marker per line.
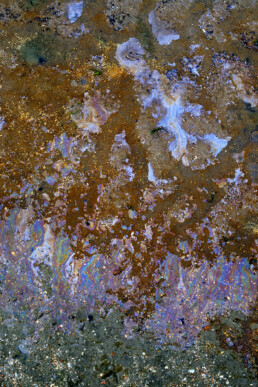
pixel 128 135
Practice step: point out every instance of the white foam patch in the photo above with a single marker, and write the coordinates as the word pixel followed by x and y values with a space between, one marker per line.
pixel 151 175
pixel 153 179
pixel 120 140
pixel 194 46
pixel 2 123
pixel 171 121
pixel 169 107
pixel 69 266
pixel 92 115
pixel 247 96
pixel 216 143
pixel 75 11
pixel 129 55
pixel 44 253
pixel 120 143
pixel 238 177
pixel 181 285
pixel 148 231
pixel 129 172
pixel 164 35
pixel 174 109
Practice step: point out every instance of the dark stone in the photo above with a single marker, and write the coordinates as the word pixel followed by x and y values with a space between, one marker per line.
pixel 249 107
pixel 42 60
pixel 254 136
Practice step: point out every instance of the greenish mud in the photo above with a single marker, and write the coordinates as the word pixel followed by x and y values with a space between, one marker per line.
pixel 96 352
